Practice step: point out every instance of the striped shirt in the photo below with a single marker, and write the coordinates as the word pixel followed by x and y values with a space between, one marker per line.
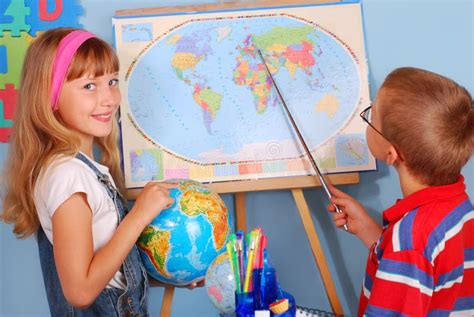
pixel 423 263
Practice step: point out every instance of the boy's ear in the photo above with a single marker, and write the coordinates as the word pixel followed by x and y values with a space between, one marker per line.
pixel 392 155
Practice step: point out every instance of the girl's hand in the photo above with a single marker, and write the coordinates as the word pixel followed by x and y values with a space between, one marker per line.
pixel 194 285
pixel 355 216
pixel 152 200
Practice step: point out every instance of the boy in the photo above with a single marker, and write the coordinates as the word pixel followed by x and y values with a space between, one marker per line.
pixel 422 261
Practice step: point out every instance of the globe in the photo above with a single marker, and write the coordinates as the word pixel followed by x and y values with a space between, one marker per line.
pixel 220 284
pixel 178 246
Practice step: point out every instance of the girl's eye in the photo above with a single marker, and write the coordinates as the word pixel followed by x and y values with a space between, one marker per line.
pixel 89 86
pixel 113 82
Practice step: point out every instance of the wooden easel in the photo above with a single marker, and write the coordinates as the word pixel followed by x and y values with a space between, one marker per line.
pixel 239 188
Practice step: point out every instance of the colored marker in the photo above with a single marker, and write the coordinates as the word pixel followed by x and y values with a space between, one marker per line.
pixel 248 274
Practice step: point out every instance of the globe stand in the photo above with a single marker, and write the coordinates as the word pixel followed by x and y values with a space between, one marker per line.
pixel 166 302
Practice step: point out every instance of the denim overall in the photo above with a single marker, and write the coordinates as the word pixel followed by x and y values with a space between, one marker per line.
pixel 111 301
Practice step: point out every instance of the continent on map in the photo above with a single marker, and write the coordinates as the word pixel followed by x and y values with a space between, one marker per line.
pixel 156 244
pixel 209 101
pixel 190 50
pixel 184 61
pixel 328 104
pixel 284 47
pixel 195 203
pixel 254 77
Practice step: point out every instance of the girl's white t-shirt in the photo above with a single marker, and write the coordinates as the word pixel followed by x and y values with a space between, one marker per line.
pixel 69 175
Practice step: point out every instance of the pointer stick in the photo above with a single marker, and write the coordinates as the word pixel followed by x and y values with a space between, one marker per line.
pixel 300 136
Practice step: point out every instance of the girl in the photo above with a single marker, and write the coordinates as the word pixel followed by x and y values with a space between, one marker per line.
pixel 67 105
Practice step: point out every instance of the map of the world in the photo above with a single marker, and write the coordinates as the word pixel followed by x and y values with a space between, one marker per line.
pixel 200 101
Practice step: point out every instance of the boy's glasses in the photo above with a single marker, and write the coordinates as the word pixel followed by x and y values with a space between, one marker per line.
pixel 366 115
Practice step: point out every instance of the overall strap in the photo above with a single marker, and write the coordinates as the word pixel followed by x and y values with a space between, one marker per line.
pixel 134 299
pixel 83 158
pixel 103 179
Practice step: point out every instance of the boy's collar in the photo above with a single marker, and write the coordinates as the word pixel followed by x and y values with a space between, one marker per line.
pixel 423 197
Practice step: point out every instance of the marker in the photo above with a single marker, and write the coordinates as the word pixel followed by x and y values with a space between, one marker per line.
pixel 240 254
pixel 233 261
pixel 248 274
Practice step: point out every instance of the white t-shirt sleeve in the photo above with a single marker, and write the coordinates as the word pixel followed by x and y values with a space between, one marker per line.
pixel 61 181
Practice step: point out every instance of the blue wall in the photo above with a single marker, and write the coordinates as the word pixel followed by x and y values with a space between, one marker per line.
pixel 436 35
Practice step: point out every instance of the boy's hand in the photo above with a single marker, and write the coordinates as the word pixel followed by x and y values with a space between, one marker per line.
pixel 355 216
pixel 352 211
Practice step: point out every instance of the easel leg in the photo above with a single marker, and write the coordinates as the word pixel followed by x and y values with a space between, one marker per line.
pixel 240 212
pixel 317 250
pixel 166 302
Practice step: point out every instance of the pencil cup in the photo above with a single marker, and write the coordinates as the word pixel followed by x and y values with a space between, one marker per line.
pixel 265 287
pixel 244 304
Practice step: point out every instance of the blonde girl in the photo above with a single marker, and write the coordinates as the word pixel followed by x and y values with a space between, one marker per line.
pixel 58 190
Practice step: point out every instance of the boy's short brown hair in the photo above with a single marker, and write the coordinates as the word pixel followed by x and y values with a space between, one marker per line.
pixel 430 120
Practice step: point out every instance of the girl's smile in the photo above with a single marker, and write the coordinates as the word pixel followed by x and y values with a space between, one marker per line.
pixel 88 104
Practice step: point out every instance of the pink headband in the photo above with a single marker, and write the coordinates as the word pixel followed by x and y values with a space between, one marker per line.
pixel 66 50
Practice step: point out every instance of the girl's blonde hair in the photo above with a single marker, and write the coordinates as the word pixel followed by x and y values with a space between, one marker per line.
pixel 39 134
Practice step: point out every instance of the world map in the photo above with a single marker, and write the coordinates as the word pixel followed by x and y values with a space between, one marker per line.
pixel 201 92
